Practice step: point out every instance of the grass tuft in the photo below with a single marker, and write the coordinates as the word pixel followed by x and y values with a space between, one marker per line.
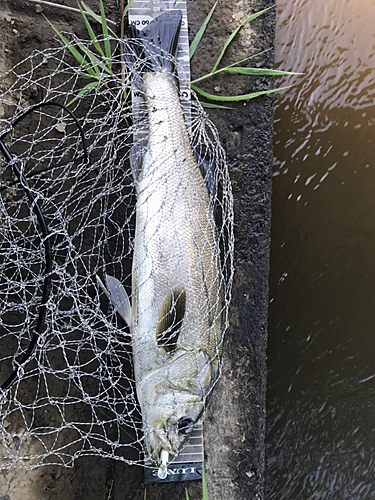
pixel 234 67
pixel 194 44
pixel 98 66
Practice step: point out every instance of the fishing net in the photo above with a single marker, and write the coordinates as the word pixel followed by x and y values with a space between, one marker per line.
pixel 67 218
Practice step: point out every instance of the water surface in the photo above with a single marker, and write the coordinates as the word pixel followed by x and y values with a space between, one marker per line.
pixel 321 393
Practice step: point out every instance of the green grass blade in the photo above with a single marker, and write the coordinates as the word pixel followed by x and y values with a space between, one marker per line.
pixel 187 496
pixel 258 71
pixel 128 5
pixel 230 66
pixel 87 24
pixel 204 483
pixel 84 77
pixel 96 17
pixel 91 31
pixel 93 66
pixel 235 97
pixel 96 63
pixel 83 91
pixel 107 44
pixel 248 58
pixel 215 106
pixel 230 38
pixel 194 44
pixel 76 54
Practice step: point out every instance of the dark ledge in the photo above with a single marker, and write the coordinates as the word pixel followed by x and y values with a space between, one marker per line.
pixel 235 420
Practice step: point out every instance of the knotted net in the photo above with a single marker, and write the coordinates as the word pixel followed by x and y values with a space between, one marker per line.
pixel 67 218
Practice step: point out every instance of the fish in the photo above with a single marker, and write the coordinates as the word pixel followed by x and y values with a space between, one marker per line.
pixel 176 309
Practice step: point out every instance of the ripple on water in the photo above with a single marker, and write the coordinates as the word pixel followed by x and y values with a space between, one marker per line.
pixel 322 446
pixel 333 44
pixel 321 393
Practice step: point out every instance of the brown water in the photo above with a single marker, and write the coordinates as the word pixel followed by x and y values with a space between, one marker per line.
pixel 321 393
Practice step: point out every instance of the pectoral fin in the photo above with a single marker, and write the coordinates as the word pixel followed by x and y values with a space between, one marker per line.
pixel 170 317
pixel 119 298
pixel 191 372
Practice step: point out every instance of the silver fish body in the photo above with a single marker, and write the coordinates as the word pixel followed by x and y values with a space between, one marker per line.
pixel 177 323
pixel 176 313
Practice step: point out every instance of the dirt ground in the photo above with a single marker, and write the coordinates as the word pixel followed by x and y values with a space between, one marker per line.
pixel 235 420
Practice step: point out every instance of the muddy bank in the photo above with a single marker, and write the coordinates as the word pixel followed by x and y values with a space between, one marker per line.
pixel 235 420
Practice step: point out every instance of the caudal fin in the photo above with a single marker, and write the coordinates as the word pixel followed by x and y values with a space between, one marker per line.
pixel 158 39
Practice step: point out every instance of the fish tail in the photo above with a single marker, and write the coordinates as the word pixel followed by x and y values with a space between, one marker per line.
pixel 148 48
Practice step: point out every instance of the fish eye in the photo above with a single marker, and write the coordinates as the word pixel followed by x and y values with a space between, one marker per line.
pixel 184 425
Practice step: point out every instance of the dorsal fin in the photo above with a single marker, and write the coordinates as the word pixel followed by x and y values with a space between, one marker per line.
pixel 170 317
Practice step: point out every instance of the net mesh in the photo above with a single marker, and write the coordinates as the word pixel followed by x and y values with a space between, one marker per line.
pixel 66 364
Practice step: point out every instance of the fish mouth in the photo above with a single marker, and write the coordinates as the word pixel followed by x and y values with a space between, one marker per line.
pixel 156 441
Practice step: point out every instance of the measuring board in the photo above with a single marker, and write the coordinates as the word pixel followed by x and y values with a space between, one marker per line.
pixel 141 12
pixel 187 466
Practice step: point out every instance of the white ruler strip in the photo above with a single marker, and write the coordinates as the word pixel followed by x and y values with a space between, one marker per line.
pixel 141 13
pixel 193 451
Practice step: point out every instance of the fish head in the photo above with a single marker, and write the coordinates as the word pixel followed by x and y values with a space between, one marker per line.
pixel 173 400
pixel 170 421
